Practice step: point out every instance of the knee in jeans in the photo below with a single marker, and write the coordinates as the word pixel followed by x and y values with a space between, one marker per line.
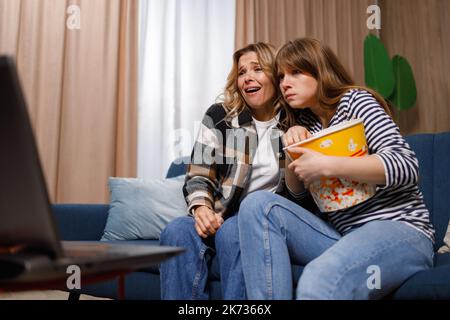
pixel 314 271
pixel 309 281
pixel 177 230
pixel 253 204
pixel 318 274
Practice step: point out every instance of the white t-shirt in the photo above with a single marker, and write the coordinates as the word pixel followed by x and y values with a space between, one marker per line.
pixel 265 173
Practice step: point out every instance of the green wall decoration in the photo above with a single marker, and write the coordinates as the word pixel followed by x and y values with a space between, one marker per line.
pixel 379 74
pixel 405 93
pixel 393 79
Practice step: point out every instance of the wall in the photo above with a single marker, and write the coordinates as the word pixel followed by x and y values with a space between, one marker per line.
pixel 418 30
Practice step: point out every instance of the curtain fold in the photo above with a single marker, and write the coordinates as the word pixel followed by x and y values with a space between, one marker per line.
pixel 82 111
pixel 126 138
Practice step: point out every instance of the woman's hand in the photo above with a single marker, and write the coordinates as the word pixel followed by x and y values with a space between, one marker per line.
pixel 311 165
pixel 295 134
pixel 207 222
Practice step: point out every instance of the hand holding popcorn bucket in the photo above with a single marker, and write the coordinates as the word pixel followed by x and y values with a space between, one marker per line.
pixel 346 140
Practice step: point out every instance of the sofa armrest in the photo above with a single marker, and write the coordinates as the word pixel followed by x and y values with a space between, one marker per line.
pixel 80 222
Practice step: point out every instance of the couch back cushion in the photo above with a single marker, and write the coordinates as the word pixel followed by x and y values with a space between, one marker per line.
pixel 80 222
pixel 141 209
pixel 178 167
pixel 433 153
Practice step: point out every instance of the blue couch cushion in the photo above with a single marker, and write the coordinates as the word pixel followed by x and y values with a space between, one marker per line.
pixel 441 185
pixel 432 151
pixel 178 167
pixel 141 209
pixel 80 222
pixel 429 284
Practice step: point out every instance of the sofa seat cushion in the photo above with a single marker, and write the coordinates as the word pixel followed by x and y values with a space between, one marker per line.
pixel 442 259
pixel 429 284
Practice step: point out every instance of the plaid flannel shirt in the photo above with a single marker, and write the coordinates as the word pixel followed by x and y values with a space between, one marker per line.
pixel 221 161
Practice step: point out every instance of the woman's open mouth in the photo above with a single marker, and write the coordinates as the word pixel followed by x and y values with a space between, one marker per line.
pixel 252 90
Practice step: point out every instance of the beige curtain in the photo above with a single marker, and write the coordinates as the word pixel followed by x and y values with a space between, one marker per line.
pixel 80 85
pixel 413 28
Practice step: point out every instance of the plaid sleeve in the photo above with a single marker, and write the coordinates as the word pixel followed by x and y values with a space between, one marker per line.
pixel 201 178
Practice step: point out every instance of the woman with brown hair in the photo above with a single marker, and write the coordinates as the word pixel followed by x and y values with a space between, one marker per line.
pixel 237 152
pixel 389 236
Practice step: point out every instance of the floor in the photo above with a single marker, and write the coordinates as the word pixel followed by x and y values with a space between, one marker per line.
pixel 43 295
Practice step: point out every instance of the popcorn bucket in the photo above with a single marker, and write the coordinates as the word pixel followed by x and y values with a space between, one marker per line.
pixel 346 140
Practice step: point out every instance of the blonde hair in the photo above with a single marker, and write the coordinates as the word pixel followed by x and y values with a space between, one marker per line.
pixel 311 56
pixel 233 101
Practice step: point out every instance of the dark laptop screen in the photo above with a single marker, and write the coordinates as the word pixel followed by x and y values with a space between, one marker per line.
pixel 25 216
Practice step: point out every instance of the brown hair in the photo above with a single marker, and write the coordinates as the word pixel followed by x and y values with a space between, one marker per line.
pixel 233 100
pixel 311 56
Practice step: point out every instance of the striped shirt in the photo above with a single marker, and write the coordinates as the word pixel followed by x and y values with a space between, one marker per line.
pixel 400 198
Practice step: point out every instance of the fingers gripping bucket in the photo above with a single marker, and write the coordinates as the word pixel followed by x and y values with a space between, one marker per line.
pixel 346 140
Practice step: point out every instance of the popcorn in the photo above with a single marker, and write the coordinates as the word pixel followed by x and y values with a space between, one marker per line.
pixel 346 139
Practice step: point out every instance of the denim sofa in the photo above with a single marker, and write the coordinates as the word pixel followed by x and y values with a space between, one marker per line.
pixel 87 222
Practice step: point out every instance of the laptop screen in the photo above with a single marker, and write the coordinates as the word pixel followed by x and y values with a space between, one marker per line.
pixel 26 220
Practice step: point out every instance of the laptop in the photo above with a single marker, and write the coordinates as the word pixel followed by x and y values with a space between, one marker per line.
pixel 30 248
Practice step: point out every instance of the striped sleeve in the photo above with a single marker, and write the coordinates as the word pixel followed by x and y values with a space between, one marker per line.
pixel 384 140
pixel 201 178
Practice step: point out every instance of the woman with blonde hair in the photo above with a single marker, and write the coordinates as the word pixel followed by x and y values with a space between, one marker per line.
pixel 237 152
pixel 389 236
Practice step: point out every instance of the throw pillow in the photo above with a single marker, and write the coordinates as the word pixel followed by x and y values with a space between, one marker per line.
pixel 446 246
pixel 141 209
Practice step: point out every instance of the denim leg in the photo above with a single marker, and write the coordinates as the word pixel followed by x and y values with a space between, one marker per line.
pixel 367 263
pixel 229 258
pixel 184 277
pixel 274 233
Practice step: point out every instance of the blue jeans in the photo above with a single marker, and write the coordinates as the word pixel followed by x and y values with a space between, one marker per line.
pixel 366 263
pixel 185 277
